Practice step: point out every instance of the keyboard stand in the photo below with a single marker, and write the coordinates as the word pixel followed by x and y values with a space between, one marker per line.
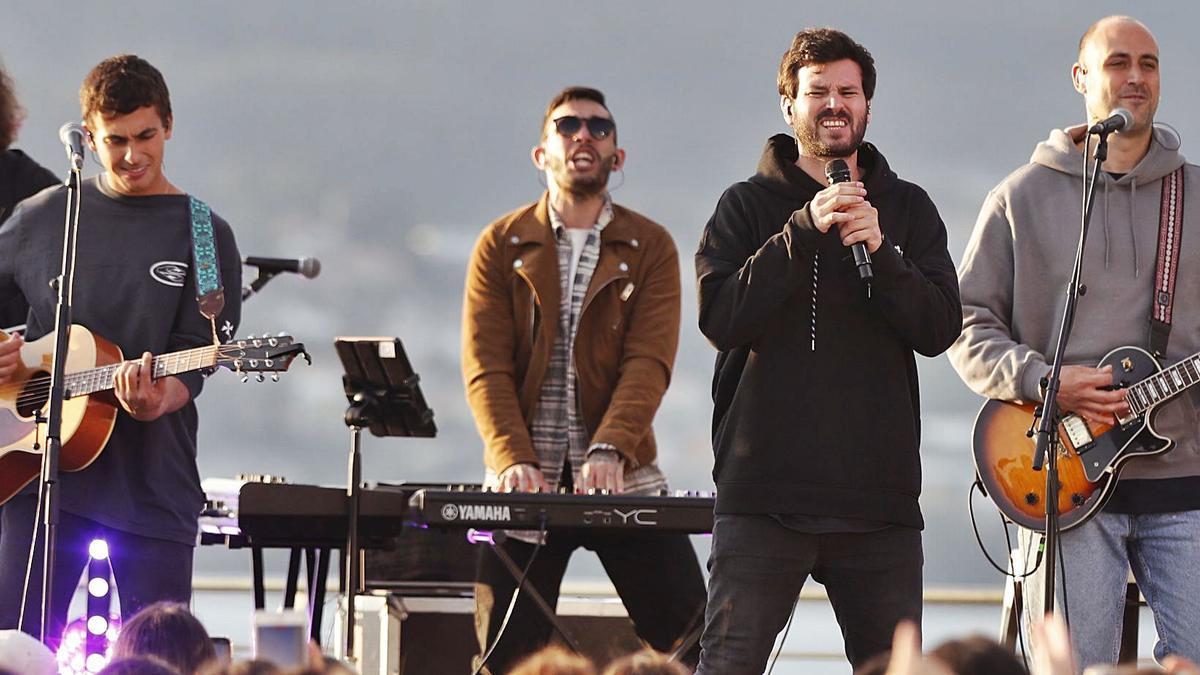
pixel 317 573
pixel 494 540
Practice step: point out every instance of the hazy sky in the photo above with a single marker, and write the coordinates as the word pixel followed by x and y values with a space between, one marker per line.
pixel 382 136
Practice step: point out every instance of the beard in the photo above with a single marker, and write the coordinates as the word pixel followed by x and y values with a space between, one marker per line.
pixel 579 185
pixel 808 134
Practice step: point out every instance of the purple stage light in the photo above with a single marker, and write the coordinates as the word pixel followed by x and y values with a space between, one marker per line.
pixel 73 657
pixel 98 549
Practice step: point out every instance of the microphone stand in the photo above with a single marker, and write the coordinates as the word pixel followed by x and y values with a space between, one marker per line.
pixel 256 285
pixel 1048 443
pixel 62 328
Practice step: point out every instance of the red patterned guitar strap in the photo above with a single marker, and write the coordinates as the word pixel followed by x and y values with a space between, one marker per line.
pixel 1170 232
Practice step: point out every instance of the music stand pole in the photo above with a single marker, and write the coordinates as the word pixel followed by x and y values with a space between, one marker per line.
pixel 385 397
pixel 1048 443
pixel 357 417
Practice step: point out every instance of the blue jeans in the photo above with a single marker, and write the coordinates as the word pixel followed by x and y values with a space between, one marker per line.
pixel 1163 550
pixel 758 566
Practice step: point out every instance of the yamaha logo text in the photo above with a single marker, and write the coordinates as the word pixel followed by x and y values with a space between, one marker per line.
pixel 490 513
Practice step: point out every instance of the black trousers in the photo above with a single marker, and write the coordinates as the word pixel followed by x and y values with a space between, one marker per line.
pixel 146 570
pixel 657 576
pixel 758 566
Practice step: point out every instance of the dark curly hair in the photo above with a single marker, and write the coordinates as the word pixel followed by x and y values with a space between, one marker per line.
pixel 11 112
pixel 823 45
pixel 120 85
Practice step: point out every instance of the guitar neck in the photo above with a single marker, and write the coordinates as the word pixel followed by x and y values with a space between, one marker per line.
pixel 1163 385
pixel 100 379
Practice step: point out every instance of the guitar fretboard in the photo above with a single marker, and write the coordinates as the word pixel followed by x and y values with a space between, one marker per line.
pixel 101 379
pixel 1163 385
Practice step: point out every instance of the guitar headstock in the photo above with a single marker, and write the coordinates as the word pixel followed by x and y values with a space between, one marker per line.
pixel 267 354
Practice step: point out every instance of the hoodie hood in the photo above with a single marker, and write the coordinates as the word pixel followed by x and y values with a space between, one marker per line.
pixel 777 170
pixel 1061 153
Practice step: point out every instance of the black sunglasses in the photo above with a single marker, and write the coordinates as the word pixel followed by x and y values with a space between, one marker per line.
pixel 598 127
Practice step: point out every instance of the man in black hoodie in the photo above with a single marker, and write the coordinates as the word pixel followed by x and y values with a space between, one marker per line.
pixel 20 177
pixel 816 421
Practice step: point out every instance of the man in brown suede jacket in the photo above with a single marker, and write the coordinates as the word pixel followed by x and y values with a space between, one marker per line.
pixel 570 325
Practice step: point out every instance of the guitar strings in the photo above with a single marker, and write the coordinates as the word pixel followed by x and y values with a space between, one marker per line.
pixel 39 386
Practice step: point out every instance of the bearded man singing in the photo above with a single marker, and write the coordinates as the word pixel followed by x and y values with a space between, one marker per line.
pixel 816 422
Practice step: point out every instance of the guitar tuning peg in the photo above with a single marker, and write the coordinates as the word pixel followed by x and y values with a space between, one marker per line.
pixel 260 377
pixel 245 378
pixel 274 377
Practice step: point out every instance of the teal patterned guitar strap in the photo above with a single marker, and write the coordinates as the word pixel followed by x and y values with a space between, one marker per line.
pixel 209 294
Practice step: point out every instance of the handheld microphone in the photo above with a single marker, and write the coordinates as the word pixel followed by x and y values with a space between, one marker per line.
pixel 1118 120
pixel 308 268
pixel 72 136
pixel 837 171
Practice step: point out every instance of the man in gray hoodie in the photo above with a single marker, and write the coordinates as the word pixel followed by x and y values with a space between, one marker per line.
pixel 1013 279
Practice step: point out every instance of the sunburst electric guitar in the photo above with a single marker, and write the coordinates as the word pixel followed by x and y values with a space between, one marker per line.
pixel 90 409
pixel 1091 455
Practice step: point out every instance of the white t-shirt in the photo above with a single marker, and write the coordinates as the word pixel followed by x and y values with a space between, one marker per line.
pixel 578 237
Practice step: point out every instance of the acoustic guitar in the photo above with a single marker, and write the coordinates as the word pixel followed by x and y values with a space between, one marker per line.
pixel 1091 455
pixel 90 408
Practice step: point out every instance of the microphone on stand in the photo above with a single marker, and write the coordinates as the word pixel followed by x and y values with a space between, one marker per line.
pixel 837 171
pixel 72 136
pixel 308 268
pixel 1118 120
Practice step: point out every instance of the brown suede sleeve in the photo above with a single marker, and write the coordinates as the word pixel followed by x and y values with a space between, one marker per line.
pixel 648 355
pixel 487 356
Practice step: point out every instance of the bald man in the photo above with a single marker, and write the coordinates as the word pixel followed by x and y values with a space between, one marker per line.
pixel 1013 275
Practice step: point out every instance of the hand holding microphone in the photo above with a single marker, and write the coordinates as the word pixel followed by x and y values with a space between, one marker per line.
pixel 844 204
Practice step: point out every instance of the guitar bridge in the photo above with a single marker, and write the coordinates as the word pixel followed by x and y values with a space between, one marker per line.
pixel 1077 431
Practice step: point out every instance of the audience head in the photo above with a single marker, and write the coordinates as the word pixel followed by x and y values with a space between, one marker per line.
pixel 876 665
pixel 169 632
pixel 336 667
pixel 253 667
pixel 23 655
pixel 977 654
pixel 646 662
pixel 139 665
pixel 554 660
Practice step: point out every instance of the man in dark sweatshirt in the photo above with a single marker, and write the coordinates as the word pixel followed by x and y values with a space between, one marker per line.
pixel 135 285
pixel 816 423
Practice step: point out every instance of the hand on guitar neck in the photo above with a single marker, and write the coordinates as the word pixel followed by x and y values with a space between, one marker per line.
pixel 10 355
pixel 1087 391
pixel 144 398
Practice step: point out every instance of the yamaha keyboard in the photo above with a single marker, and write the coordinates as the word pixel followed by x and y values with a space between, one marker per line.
pixel 269 513
pixel 272 513
pixel 688 512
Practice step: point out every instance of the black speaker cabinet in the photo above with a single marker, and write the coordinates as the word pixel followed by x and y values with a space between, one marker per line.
pixel 434 633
